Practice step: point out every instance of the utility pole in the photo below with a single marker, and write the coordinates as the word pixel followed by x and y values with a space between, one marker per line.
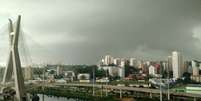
pixel 93 81
pixel 168 83
pixel 120 93
pixel 101 90
pixel 161 96
pixel 43 97
pixel 107 79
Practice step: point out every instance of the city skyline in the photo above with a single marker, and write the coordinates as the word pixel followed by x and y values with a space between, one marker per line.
pixel 108 50
pixel 77 32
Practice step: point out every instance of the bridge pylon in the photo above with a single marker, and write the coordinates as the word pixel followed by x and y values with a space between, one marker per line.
pixel 14 64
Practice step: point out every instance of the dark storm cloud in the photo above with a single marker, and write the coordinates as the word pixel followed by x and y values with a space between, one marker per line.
pixel 82 31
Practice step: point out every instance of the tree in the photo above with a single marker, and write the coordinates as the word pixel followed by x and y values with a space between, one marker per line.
pixel 52 72
pixel 100 73
pixel 187 77
pixel 170 74
pixel 164 74
pixel 38 71
pixel 58 76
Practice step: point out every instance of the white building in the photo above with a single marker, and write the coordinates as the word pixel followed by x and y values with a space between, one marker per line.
pixel 148 63
pixel 84 76
pixel 122 72
pixel 152 70
pixel 139 64
pixel 117 61
pixel 177 65
pixel 108 60
pixel 121 69
pixel 113 70
pixel 123 63
pixel 132 62
pixel 164 66
pixel 59 70
pixel 195 67
pixel 69 75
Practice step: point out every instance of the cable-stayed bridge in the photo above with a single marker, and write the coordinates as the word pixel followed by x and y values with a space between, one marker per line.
pixel 13 67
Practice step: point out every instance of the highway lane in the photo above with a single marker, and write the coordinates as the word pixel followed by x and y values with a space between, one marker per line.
pixel 125 88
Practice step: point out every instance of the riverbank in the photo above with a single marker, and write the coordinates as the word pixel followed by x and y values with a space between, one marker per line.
pixel 65 92
pixel 84 95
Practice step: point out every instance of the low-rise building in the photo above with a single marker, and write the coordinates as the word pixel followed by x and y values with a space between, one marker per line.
pixel 85 77
pixel 69 75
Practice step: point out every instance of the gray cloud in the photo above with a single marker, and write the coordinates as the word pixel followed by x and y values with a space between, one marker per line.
pixel 80 32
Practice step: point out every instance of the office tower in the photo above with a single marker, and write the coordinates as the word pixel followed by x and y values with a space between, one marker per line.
pixel 177 65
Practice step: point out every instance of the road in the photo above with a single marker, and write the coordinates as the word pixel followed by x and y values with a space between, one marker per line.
pixel 125 88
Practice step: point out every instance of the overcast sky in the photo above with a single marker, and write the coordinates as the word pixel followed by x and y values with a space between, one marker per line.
pixel 82 31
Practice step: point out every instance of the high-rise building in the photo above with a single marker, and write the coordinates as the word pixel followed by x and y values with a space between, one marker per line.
pixel 169 63
pixel 163 66
pixel 195 67
pixel 177 65
pixel 122 72
pixel 152 70
pixel 148 63
pixel 117 61
pixel 108 60
pixel 132 62
pixel 186 66
pixel 122 69
pixel 146 66
pixel 123 63
pixel 139 64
